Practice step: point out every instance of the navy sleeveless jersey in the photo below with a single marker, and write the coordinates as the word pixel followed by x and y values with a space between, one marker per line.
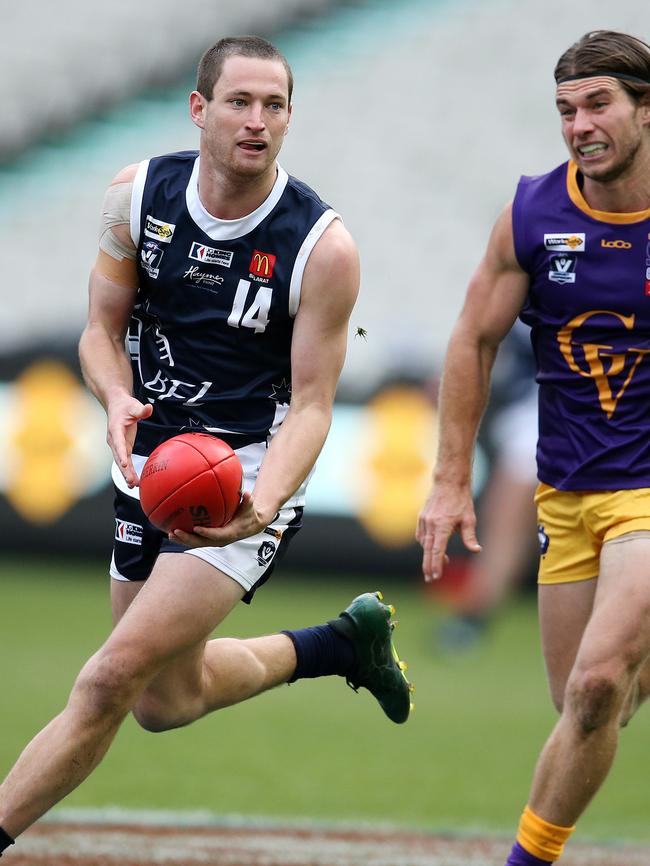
pixel 210 335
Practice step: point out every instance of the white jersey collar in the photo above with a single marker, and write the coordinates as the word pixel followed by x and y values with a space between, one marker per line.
pixel 227 230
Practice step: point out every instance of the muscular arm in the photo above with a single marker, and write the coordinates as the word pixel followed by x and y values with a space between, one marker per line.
pixel 495 295
pixel 106 368
pixel 329 290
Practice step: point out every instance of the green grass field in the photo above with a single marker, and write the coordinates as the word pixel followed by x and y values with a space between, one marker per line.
pixel 315 749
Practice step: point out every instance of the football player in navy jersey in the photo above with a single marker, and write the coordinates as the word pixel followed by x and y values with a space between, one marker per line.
pixel 232 284
pixel 571 256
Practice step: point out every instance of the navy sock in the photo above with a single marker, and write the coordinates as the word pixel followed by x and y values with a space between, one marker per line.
pixel 520 857
pixel 321 651
pixel 5 840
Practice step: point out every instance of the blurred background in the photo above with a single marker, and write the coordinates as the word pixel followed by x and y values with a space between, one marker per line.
pixel 414 120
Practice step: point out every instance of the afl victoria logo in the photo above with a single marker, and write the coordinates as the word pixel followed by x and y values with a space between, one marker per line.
pixel 543 539
pixel 563 268
pixel 265 553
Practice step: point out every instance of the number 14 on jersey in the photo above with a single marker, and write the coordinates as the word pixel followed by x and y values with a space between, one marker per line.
pixel 257 314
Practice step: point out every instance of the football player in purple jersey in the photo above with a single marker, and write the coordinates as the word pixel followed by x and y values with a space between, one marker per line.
pixel 571 256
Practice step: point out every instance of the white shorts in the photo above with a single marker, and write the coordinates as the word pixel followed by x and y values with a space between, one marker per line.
pixel 249 562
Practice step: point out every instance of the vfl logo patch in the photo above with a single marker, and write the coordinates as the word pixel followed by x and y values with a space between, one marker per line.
pixel 262 264
pixel 565 241
pixel 563 269
pixel 265 552
pixel 128 533
pixel 159 230
pixel 211 255
pixel 150 256
pixel 543 539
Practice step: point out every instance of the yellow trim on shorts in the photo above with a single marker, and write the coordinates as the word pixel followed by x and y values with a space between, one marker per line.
pixel 578 522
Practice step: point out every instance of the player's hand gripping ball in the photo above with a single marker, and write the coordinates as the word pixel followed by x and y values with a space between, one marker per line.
pixel 191 480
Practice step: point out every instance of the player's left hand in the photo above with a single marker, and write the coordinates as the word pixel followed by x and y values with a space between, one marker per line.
pixel 247 521
pixel 448 509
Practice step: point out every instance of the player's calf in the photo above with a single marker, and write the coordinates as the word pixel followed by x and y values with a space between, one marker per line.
pixel 156 717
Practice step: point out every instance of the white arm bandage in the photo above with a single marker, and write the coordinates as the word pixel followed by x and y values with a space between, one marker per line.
pixel 116 211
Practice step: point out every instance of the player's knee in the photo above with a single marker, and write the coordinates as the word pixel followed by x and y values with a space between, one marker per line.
pixel 594 698
pixel 106 686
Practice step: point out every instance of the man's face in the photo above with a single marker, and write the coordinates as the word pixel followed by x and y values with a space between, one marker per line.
pixel 603 127
pixel 244 124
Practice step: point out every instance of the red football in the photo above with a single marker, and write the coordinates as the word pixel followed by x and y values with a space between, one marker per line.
pixel 191 480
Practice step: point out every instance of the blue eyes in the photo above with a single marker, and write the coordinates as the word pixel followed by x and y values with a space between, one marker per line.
pixel 241 103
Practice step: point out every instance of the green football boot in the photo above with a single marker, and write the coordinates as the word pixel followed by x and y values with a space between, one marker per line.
pixel 367 623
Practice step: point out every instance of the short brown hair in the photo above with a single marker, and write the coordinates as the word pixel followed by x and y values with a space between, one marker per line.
pixel 603 52
pixel 211 64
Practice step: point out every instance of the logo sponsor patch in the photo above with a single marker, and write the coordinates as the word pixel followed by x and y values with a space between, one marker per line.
pixel 563 269
pixel 262 264
pixel 158 230
pixel 265 552
pixel 569 241
pixel 202 279
pixel 616 245
pixel 128 533
pixel 150 256
pixel 211 255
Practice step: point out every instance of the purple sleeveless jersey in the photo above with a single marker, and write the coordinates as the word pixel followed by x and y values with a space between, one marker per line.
pixel 589 310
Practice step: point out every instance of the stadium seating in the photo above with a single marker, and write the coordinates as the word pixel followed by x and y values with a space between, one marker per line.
pixel 413 119
pixel 61 61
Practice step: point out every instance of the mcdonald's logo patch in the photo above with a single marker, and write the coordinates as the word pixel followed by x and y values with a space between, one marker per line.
pixel 262 264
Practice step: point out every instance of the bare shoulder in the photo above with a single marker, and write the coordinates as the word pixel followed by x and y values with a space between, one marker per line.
pixel 337 240
pixel 334 260
pixel 330 283
pixel 126 174
pixel 501 246
pixel 497 289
